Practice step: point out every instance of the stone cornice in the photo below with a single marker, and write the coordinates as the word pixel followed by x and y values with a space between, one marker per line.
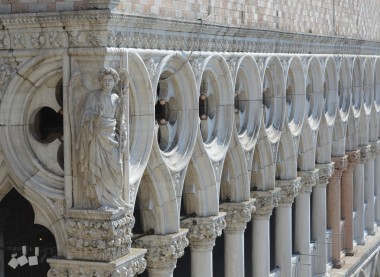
pixel 164 250
pixel 203 231
pixel 308 180
pixel 238 214
pixel 265 202
pixel 102 28
pixel 289 190
pixel 325 173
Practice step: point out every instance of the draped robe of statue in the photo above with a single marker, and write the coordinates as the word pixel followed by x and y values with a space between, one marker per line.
pixel 98 149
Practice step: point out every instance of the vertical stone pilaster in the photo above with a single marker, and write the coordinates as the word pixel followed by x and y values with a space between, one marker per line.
pixel 237 217
pixel 319 218
pixel 202 234
pixel 302 226
pixel 347 205
pixel 283 255
pixel 265 202
pixel 163 252
pixel 334 208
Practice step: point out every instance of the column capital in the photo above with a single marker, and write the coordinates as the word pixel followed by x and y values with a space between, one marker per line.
pixel 203 231
pixel 164 250
pixel 238 214
pixel 353 158
pixel 127 266
pixel 375 148
pixel 289 190
pixel 365 153
pixel 325 173
pixel 308 180
pixel 95 235
pixel 265 202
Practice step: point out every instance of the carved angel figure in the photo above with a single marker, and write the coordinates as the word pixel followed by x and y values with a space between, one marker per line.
pixel 100 143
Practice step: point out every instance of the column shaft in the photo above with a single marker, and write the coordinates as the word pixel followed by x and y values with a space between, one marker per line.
pixel 234 253
pixel 377 187
pixel 260 246
pixel 369 196
pixel 359 203
pixel 201 262
pixel 284 239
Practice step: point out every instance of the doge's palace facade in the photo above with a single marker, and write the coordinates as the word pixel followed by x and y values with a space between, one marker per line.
pixel 185 138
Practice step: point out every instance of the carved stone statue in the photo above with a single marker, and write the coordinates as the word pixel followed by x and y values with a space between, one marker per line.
pixel 100 142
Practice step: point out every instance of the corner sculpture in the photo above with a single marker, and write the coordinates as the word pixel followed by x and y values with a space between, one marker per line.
pixel 101 140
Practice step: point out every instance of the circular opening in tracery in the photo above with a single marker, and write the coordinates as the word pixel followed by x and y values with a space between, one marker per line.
pixel 290 97
pixel 240 102
pixel 207 107
pixel 60 156
pixel 268 100
pixel 48 125
pixel 59 92
pixel 309 95
pixel 166 113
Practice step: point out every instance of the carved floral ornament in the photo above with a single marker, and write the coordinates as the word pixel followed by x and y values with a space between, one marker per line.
pixel 353 158
pixel 308 180
pixel 266 201
pixel 365 153
pixel 5 72
pixel 289 190
pixel 164 250
pixel 325 173
pixel 203 231
pixel 238 214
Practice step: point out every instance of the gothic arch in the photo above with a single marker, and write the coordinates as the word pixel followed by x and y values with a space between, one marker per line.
pixel 377 89
pixel 286 163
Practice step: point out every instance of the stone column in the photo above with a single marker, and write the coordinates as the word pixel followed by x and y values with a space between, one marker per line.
pixel 377 184
pixel 237 216
pixel 319 219
pixel 202 234
pixel 265 202
pixel 369 190
pixel 99 244
pixel 359 196
pixel 163 252
pixel 302 226
pixel 289 190
pixel 347 202
pixel 334 209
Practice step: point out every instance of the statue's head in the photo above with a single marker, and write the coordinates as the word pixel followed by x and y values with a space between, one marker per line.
pixel 108 71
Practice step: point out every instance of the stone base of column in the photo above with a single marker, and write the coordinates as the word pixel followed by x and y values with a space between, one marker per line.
pixel 361 241
pixel 372 231
pixel 322 275
pixel 127 266
pixel 338 263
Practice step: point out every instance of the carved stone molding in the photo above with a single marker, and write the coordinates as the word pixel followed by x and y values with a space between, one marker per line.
pixel 289 190
pixel 325 173
pixel 99 235
pixel 265 202
pixel 204 230
pixel 238 214
pixel 127 266
pixel 5 72
pixel 365 153
pixel 308 180
pixel 164 250
pixel 353 158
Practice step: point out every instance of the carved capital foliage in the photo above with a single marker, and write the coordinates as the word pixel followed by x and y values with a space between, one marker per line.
pixel 5 72
pixel 265 201
pixel 353 159
pixel 308 180
pixel 128 266
pixel 375 149
pixel 289 190
pixel 238 214
pixel 365 153
pixel 204 230
pixel 164 250
pixel 99 235
pixel 325 173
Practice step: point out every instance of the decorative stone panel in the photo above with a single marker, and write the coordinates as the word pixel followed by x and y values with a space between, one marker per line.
pixel 99 235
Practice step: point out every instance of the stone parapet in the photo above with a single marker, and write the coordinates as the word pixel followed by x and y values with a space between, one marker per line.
pixel 203 231
pixel 99 235
pixel 308 180
pixel 164 250
pixel 238 214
